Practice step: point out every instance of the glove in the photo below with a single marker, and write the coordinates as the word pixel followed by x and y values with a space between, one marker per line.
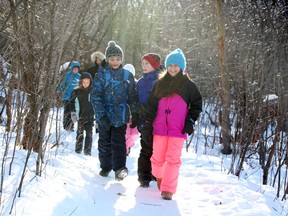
pixel 189 126
pixel 103 63
pixel 135 120
pixel 74 117
pixel 104 123
pixel 147 133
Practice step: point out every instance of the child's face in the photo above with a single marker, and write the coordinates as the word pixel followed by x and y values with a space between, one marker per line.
pixel 115 61
pixel 75 69
pixel 147 67
pixel 173 69
pixel 86 82
pixel 98 61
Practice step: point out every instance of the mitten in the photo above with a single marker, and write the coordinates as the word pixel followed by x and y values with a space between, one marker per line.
pixel 104 123
pixel 135 120
pixel 189 126
pixel 74 117
pixel 147 133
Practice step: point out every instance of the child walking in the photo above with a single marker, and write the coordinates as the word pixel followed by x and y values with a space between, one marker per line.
pixel 114 99
pixel 150 65
pixel 81 107
pixel 70 81
pixel 172 109
pixel 131 133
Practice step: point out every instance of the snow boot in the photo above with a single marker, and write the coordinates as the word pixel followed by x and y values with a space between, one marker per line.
pixel 166 195
pixel 121 173
pixel 144 184
pixel 104 173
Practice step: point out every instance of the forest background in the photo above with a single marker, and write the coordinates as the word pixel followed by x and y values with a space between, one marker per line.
pixel 236 54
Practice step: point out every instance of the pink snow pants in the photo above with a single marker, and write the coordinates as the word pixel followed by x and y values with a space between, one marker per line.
pixel 131 135
pixel 166 161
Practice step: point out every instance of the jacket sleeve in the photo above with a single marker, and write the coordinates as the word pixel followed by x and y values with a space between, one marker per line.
pixel 132 95
pixel 97 95
pixel 149 109
pixel 63 84
pixel 195 102
pixel 72 101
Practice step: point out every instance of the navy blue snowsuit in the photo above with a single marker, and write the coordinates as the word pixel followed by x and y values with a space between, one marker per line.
pixel 144 88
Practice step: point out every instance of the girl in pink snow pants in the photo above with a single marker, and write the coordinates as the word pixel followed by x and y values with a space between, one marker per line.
pixel 172 109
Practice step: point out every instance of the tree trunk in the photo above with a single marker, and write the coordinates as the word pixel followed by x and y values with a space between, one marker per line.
pixel 225 124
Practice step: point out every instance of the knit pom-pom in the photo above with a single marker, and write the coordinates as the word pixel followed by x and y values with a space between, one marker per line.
pixel 111 43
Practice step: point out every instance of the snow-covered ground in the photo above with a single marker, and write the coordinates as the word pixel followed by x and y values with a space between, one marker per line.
pixel 70 185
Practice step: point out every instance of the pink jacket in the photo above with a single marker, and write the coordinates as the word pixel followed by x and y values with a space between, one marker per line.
pixel 170 117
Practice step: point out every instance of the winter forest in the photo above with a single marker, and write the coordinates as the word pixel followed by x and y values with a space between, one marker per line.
pixel 236 50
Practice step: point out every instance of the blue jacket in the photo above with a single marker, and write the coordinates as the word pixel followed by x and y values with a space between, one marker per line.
pixel 114 98
pixel 144 88
pixel 145 85
pixel 70 82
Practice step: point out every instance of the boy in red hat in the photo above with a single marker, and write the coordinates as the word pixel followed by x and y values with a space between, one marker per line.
pixel 150 66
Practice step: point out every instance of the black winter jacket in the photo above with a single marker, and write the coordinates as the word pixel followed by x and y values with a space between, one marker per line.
pixel 80 103
pixel 93 70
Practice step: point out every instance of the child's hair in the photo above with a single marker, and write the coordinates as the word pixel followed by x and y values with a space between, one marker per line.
pixel 162 71
pixel 168 85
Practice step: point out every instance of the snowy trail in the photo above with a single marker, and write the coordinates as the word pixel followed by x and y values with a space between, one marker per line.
pixel 70 185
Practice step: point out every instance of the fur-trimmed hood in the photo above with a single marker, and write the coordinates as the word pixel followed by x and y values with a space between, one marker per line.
pixel 98 55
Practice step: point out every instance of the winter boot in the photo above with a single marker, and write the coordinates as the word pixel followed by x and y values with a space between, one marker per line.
pixel 166 195
pixel 144 184
pixel 121 173
pixel 87 153
pixel 104 173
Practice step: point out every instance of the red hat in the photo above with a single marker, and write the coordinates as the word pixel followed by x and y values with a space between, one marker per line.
pixel 153 59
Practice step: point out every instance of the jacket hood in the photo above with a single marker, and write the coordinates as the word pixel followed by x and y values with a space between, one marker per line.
pixel 74 64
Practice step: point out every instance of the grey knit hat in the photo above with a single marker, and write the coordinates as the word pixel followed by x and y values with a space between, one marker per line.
pixel 113 50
